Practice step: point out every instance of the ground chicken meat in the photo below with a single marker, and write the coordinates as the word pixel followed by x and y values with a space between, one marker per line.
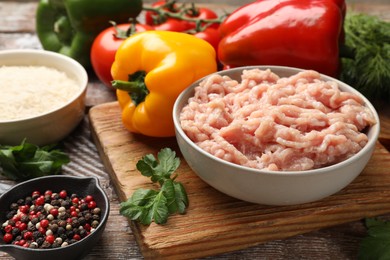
pixel 281 124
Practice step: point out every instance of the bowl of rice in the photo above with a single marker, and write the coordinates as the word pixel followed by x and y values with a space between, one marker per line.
pixel 275 135
pixel 42 96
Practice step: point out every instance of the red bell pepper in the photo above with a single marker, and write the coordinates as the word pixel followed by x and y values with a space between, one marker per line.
pixel 296 33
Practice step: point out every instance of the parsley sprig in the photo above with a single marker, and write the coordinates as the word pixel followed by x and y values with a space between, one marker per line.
pixel 27 161
pixel 146 205
pixel 376 245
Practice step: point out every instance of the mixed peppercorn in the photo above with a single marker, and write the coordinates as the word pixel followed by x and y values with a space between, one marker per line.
pixel 50 220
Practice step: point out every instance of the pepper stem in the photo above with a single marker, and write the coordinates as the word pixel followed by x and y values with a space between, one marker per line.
pixel 136 86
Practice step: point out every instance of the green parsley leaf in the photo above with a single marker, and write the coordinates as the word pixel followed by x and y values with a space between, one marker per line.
pixel 150 205
pixel 377 243
pixel 27 161
pixel 160 170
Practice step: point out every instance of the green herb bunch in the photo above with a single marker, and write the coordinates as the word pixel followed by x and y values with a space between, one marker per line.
pixel 369 70
pixel 146 205
pixel 27 161
pixel 376 245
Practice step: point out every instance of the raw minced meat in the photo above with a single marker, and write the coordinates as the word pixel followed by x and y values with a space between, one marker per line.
pixel 281 124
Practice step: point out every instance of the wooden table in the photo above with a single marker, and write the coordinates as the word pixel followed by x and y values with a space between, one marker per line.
pixel 17 31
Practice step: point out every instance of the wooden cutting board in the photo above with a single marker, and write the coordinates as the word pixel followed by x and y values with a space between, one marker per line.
pixel 216 223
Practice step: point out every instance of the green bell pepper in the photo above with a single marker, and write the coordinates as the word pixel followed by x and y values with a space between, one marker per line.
pixel 70 26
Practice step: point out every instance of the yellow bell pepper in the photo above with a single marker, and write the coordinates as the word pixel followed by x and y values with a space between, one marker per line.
pixel 150 70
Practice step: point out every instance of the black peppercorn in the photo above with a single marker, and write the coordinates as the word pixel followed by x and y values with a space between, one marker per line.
pixel 36 235
pixel 10 214
pixel 14 206
pixel 69 233
pixel 72 241
pixel 62 223
pixel 88 216
pixel 34 221
pixel 15 232
pixel 53 228
pixel 83 233
pixel 65 204
pixel 95 217
pixel 31 228
pixel 82 221
pixel 47 198
pixel 75 222
pixel 60 230
pixel 28 201
pixel 55 203
pixel 25 219
pixel 46 244
pixel 84 206
pixel 20 202
pixel 63 237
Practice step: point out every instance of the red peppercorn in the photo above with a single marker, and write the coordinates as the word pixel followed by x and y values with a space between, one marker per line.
pixel 26 244
pixel 44 223
pixel 8 228
pixel 22 226
pixel 42 230
pixel 63 194
pixel 54 212
pixel 76 237
pixel 24 209
pixel 88 198
pixel 48 192
pixel 34 193
pixel 7 238
pixel 87 227
pixel 50 239
pixel 75 200
pixel 28 235
pixel 72 208
pixel 17 223
pixel 74 213
pixel 40 201
pixel 92 204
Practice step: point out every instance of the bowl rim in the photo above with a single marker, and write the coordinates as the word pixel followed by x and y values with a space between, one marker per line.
pixel 371 142
pixel 102 223
pixel 61 58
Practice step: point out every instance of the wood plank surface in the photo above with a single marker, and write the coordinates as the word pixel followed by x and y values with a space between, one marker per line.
pixel 216 223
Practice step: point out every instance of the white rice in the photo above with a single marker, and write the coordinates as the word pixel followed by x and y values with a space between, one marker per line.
pixel 28 91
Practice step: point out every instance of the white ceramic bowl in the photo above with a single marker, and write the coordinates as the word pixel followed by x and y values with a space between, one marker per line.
pixel 52 126
pixel 270 187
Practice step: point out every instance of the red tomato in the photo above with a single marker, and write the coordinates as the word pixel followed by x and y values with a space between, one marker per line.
pixel 210 35
pixel 171 25
pixel 206 14
pixel 149 20
pixel 198 13
pixel 104 48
